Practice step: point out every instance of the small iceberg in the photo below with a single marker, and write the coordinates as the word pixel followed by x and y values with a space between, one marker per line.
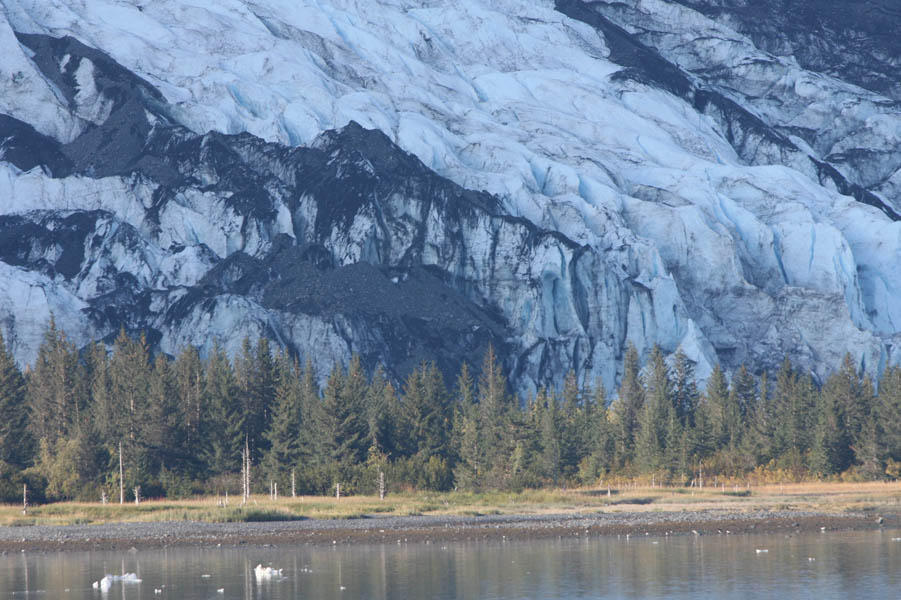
pixel 104 584
pixel 266 573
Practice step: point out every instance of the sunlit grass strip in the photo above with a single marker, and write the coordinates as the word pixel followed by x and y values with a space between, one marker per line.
pixel 826 497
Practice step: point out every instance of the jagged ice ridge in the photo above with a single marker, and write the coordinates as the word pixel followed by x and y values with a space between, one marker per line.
pixel 411 180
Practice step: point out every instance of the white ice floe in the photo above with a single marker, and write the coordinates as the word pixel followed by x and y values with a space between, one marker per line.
pixel 104 584
pixel 266 573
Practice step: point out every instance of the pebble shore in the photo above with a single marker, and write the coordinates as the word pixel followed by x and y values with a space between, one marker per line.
pixel 380 529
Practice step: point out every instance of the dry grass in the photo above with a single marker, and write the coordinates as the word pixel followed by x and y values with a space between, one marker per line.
pixel 815 496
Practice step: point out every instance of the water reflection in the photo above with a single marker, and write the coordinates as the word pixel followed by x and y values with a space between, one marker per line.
pixel 821 566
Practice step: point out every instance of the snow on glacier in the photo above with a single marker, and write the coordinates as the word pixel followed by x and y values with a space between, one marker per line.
pixel 27 301
pixel 29 97
pixel 514 98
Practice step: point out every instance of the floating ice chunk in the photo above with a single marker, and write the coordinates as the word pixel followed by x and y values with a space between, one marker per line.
pixel 220 591
pixel 266 573
pixel 761 550
pixel 104 584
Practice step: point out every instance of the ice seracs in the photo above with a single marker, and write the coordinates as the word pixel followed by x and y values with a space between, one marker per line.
pixel 658 177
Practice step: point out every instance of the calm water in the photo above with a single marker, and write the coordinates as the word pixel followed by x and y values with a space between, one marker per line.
pixel 846 565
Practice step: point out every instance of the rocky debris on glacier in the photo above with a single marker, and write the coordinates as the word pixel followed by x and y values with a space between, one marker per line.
pixel 636 191
pixel 856 44
pixel 350 245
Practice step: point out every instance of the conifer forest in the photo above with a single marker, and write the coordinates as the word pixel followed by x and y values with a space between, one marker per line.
pixel 183 425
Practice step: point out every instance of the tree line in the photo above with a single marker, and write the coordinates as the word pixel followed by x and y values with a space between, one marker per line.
pixel 183 424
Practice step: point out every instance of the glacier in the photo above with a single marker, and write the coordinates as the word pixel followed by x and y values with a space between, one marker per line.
pixel 414 180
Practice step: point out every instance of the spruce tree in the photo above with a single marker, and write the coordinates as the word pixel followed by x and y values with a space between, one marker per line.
pixel 700 440
pixel 743 394
pixel 425 409
pixel 855 397
pixel 189 381
pixel 600 436
pixel 315 440
pixel 721 410
pixel 485 429
pixel 283 435
pixel 382 416
pixel 345 417
pixel 256 376
pixel 628 405
pixel 653 420
pixel 160 430
pixel 224 442
pixel 868 450
pixel 831 451
pixel 685 389
pixel 888 414
pixel 572 423
pixel 104 408
pixel 56 395
pixel 785 411
pixel 466 439
pixel 469 473
pixel 550 434
pixel 16 443
pixel 758 441
pixel 129 379
pixel 806 400
pixel 129 373
pixel 494 420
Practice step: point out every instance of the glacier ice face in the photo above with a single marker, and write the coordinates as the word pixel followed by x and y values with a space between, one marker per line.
pixel 858 46
pixel 653 175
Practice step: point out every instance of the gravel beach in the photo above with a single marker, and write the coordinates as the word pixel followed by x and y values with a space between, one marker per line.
pixel 125 536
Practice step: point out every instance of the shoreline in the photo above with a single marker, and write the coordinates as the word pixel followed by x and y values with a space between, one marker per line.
pixel 429 528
